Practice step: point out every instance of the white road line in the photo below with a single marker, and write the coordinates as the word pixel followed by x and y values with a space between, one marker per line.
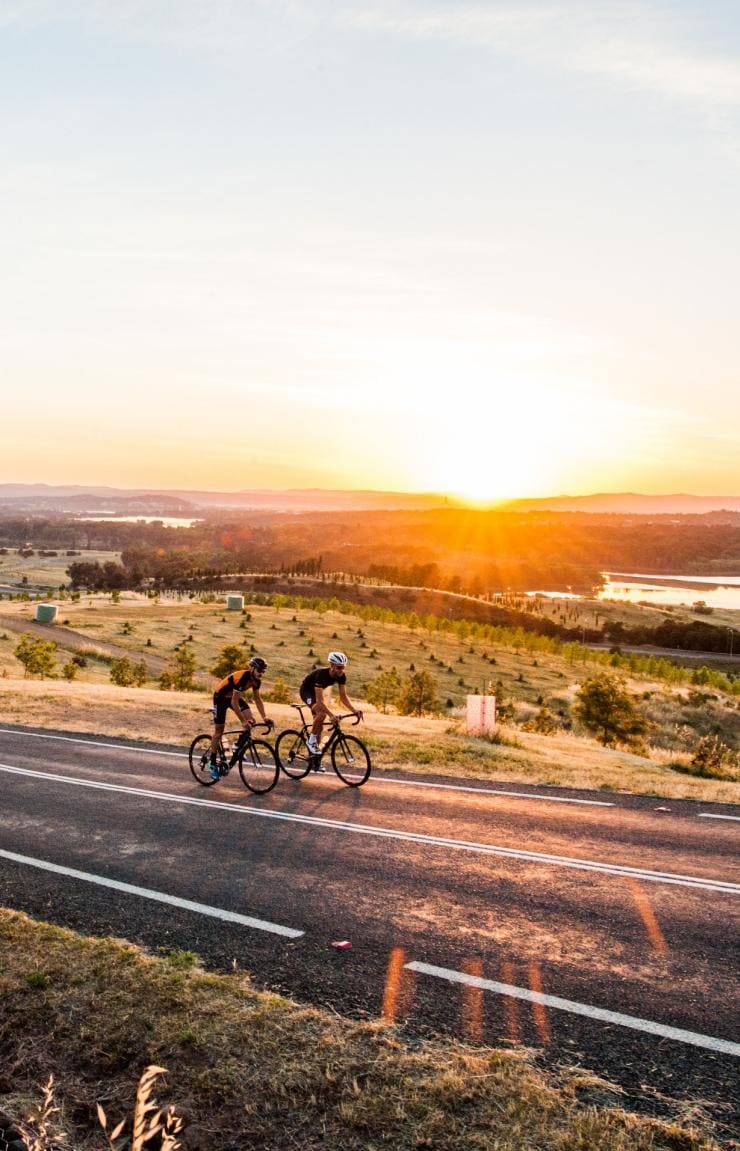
pixel 93 742
pixel 376 778
pixel 158 896
pixel 710 815
pixel 692 881
pixel 696 1039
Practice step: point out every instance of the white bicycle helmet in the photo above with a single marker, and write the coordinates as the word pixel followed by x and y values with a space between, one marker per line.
pixel 338 658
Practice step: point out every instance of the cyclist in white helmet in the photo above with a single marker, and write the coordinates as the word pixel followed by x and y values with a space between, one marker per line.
pixel 312 691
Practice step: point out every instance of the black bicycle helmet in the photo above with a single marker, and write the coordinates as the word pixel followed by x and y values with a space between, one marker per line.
pixel 258 664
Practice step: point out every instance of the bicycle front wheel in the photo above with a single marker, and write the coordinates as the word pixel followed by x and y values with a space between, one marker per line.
pixel 351 760
pixel 293 754
pixel 258 767
pixel 199 757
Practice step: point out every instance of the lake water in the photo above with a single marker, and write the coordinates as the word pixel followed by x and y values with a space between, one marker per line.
pixel 663 591
pixel 631 587
pixel 168 521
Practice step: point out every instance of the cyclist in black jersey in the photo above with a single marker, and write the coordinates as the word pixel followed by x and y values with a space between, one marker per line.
pixel 312 692
pixel 230 694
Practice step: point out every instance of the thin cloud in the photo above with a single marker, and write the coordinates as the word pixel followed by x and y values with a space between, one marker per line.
pixel 638 44
pixel 657 52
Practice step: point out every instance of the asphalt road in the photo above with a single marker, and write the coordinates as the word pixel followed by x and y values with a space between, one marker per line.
pixel 601 932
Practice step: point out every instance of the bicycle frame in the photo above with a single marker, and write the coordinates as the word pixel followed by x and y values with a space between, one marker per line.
pixel 255 758
pixel 244 736
pixel 336 731
pixel 350 758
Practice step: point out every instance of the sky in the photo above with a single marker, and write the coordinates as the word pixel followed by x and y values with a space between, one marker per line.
pixel 489 248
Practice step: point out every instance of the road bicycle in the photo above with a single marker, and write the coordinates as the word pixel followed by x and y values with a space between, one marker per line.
pixel 349 756
pixel 258 763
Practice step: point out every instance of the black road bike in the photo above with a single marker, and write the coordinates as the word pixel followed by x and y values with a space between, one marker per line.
pixel 258 763
pixel 349 756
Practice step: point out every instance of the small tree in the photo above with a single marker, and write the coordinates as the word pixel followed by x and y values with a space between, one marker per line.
pixel 384 689
pixel 122 672
pixel 418 693
pixel 605 707
pixel 36 655
pixel 179 674
pixel 229 659
pixel 70 669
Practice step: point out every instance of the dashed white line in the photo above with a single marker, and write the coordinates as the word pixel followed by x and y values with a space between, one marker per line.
pixel 711 815
pixel 691 881
pixel 157 896
pixel 661 1030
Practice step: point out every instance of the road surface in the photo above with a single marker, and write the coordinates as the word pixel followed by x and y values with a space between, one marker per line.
pixel 597 928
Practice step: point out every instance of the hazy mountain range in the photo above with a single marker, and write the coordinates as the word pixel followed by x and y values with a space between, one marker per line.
pixel 91 500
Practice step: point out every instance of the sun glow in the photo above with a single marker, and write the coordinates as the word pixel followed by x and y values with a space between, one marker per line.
pixel 496 419
pixel 493 446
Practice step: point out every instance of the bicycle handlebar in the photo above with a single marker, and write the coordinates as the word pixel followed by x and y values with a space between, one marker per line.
pixel 349 715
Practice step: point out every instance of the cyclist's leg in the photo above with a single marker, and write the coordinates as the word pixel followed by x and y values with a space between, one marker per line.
pixel 246 719
pixel 319 712
pixel 219 723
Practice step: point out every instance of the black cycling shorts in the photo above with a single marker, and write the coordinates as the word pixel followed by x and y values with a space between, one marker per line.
pixel 308 698
pixel 221 704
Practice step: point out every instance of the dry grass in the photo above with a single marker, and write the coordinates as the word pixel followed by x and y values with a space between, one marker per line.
pixel 287 637
pixel 423 746
pixel 249 1069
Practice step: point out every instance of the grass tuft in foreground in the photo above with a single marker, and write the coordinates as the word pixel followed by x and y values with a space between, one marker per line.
pixel 251 1070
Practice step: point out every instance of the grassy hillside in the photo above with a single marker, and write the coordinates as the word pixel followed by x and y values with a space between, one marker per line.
pixel 293 640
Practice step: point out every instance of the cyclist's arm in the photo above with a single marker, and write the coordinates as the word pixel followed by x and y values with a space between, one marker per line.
pixel 346 702
pixel 259 704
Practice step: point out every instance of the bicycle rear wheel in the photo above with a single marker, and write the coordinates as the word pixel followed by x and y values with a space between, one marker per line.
pixel 199 757
pixel 258 767
pixel 293 754
pixel 351 760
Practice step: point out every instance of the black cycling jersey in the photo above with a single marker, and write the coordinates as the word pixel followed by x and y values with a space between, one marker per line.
pixel 321 677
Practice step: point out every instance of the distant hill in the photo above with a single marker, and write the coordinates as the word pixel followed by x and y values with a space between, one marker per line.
pixel 78 500
pixel 628 503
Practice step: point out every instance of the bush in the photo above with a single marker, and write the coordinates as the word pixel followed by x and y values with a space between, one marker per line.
pixel 713 757
pixel 543 722
pixel 280 692
pixel 122 672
